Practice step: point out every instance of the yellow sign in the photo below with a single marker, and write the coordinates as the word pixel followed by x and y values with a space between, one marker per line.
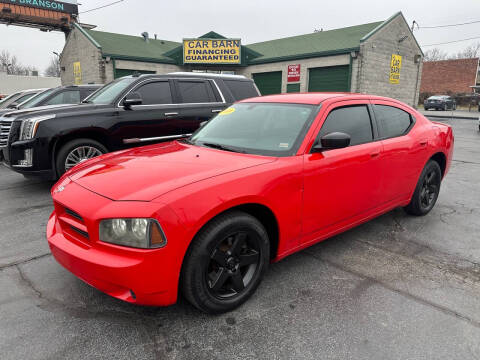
pixel 77 73
pixel 211 51
pixel 395 67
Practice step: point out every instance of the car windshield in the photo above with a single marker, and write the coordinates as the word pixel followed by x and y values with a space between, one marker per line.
pixel 36 100
pixel 270 129
pixel 5 102
pixel 108 93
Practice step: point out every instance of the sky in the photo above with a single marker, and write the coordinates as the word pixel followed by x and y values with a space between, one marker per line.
pixel 252 21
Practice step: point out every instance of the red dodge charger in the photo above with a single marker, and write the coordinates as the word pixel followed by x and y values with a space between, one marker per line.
pixel 265 178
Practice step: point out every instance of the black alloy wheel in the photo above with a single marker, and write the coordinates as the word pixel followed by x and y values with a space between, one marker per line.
pixel 427 190
pixel 225 263
pixel 233 263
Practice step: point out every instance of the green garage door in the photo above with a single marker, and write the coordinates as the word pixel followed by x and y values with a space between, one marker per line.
pixel 269 82
pixel 332 78
pixel 125 72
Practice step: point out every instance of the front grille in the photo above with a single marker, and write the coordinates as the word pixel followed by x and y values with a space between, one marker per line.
pixel 5 127
pixel 74 214
pixel 72 224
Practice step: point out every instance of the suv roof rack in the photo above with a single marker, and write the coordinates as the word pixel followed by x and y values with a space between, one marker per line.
pixel 199 74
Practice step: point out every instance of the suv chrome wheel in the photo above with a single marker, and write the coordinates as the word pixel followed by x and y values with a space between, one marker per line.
pixel 81 154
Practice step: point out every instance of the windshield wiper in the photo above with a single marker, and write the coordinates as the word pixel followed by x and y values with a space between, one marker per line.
pixel 222 147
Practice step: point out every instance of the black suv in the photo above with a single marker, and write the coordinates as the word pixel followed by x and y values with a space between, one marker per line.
pixel 73 94
pixel 130 111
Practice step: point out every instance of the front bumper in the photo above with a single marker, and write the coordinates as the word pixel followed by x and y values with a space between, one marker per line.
pixel 436 106
pixel 144 277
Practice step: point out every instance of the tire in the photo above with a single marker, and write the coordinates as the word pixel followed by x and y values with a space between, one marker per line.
pixel 71 146
pixel 210 278
pixel 427 190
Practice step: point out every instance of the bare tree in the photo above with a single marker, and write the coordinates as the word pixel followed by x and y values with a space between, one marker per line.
pixel 435 54
pixel 54 68
pixel 471 51
pixel 12 66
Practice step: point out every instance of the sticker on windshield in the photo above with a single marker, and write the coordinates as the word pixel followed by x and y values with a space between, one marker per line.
pixel 227 111
pixel 283 145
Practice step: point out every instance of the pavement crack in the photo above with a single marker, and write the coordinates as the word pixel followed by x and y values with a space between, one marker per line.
pixel 28 282
pixel 21 262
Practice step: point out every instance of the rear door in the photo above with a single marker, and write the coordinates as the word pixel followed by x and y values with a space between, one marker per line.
pixel 404 154
pixel 198 100
pixel 343 183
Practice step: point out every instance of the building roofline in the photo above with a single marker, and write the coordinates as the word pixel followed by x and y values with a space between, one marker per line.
pixel 136 58
pixel 88 36
pixel 386 22
pixel 303 56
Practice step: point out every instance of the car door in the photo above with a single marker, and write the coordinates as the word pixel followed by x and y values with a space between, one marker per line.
pixel 198 101
pixel 155 120
pixel 403 153
pixel 342 183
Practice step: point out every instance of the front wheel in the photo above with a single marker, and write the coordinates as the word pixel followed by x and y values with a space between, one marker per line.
pixel 427 190
pixel 225 263
pixel 77 151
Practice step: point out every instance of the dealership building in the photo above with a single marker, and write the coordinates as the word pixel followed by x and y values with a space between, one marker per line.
pixel 381 58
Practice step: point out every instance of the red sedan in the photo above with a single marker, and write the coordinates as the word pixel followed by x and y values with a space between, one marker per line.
pixel 265 178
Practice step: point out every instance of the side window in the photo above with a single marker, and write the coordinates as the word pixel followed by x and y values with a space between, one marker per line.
pixel 392 121
pixel 195 92
pixel 352 120
pixel 66 97
pixel 154 93
pixel 241 89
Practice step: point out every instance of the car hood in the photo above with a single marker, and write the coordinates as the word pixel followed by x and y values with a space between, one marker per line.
pixel 13 112
pixel 145 173
pixel 59 110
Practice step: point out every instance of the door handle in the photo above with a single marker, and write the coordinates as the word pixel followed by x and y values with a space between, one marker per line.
pixel 423 143
pixel 374 154
pixel 171 114
pixel 217 111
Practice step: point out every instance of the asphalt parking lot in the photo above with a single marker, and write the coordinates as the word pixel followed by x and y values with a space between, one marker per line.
pixel 398 287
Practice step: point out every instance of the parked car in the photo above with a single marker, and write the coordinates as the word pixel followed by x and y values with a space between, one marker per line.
pixel 18 97
pixel 61 95
pixel 131 111
pixel 440 102
pixel 265 178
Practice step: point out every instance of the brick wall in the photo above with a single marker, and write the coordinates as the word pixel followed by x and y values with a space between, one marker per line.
pixel 449 76
pixel 79 48
pixel 373 66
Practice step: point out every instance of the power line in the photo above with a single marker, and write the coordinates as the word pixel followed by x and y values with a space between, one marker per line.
pixel 101 7
pixel 450 25
pixel 454 41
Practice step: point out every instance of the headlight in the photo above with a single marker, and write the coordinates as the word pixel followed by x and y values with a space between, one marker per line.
pixel 29 126
pixel 137 233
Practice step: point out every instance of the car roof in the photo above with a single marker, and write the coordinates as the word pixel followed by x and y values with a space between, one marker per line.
pixel 182 75
pixel 313 98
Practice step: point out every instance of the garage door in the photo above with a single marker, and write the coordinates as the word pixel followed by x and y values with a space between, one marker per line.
pixel 332 78
pixel 125 72
pixel 269 82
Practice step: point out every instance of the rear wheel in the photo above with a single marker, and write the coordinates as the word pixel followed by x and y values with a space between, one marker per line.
pixel 225 263
pixel 77 151
pixel 427 190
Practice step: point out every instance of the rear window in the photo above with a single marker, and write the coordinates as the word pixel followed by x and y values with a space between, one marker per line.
pixel 195 92
pixel 241 89
pixel 393 121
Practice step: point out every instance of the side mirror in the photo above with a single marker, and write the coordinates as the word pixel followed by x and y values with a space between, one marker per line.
pixel 334 140
pixel 132 99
